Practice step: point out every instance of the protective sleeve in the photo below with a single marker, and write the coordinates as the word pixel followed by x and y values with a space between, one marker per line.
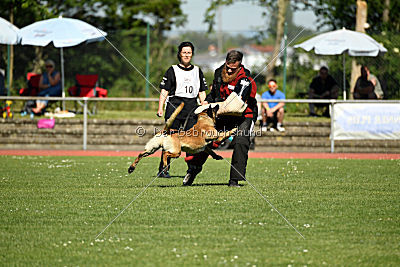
pixel 245 88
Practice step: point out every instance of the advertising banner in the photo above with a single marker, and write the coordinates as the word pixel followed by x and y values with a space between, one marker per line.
pixel 366 121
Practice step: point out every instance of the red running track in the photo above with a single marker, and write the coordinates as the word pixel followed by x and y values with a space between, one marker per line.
pixel 225 154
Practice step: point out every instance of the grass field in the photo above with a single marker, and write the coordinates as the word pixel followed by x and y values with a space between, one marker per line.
pixel 53 208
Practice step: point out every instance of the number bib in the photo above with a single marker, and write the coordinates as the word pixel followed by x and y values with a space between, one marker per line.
pixel 187 82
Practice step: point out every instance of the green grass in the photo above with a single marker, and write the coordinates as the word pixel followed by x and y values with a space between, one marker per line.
pixel 53 208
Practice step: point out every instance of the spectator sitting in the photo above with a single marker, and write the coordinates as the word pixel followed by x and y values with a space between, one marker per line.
pixel 367 86
pixel 50 85
pixel 273 111
pixel 323 86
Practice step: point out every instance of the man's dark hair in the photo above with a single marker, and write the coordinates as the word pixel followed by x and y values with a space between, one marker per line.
pixel 323 68
pixel 234 56
pixel 182 45
pixel 272 80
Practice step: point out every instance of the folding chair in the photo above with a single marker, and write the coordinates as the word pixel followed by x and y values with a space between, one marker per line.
pixel 33 89
pixel 86 86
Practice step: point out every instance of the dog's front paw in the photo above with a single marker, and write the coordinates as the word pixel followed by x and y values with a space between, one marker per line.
pixel 131 169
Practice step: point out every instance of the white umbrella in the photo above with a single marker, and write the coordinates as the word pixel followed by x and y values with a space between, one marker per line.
pixel 8 32
pixel 341 41
pixel 8 36
pixel 63 32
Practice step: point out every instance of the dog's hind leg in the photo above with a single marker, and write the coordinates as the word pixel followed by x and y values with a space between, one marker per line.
pixel 152 146
pixel 167 155
pixel 212 153
pixel 141 155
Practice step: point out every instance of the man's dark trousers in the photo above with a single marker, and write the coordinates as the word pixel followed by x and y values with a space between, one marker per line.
pixel 240 143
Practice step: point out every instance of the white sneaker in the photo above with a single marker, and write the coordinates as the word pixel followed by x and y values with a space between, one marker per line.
pixel 264 128
pixel 280 128
pixel 272 129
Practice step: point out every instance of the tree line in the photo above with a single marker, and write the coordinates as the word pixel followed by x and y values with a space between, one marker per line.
pixel 126 25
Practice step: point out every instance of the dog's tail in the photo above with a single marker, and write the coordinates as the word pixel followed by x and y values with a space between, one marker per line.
pixel 173 117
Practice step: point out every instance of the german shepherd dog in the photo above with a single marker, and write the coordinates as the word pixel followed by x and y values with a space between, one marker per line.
pixel 193 140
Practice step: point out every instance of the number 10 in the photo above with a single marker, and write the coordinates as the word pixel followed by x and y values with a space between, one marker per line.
pixel 189 89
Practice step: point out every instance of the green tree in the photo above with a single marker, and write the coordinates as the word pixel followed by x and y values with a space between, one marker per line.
pixel 124 21
pixel 336 14
pixel 21 13
pixel 279 12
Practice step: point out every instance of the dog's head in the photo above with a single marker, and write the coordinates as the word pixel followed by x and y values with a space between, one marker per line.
pixel 212 112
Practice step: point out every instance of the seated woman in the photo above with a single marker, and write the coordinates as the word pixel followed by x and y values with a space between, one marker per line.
pixel 49 84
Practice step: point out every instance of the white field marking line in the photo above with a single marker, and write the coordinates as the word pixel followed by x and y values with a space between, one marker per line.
pixel 130 63
pixel 302 29
pixel 266 200
pixel 133 200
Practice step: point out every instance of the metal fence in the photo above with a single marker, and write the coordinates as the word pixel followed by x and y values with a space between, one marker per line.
pixel 86 100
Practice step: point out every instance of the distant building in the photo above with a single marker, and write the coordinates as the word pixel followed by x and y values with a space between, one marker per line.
pixel 256 57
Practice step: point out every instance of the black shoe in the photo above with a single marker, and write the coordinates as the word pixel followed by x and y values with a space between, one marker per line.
pixel 188 180
pixel 164 174
pixel 233 183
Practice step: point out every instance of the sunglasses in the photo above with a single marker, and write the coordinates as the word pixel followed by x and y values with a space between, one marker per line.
pixel 231 69
pixel 49 66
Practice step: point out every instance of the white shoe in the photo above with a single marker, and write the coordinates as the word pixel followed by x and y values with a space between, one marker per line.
pixel 272 129
pixel 264 128
pixel 280 128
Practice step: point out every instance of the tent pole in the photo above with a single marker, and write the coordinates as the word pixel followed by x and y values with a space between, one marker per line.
pixel 284 58
pixel 8 70
pixel 62 76
pixel 344 77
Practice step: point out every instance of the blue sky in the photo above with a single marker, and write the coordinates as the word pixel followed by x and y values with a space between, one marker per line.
pixel 241 17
